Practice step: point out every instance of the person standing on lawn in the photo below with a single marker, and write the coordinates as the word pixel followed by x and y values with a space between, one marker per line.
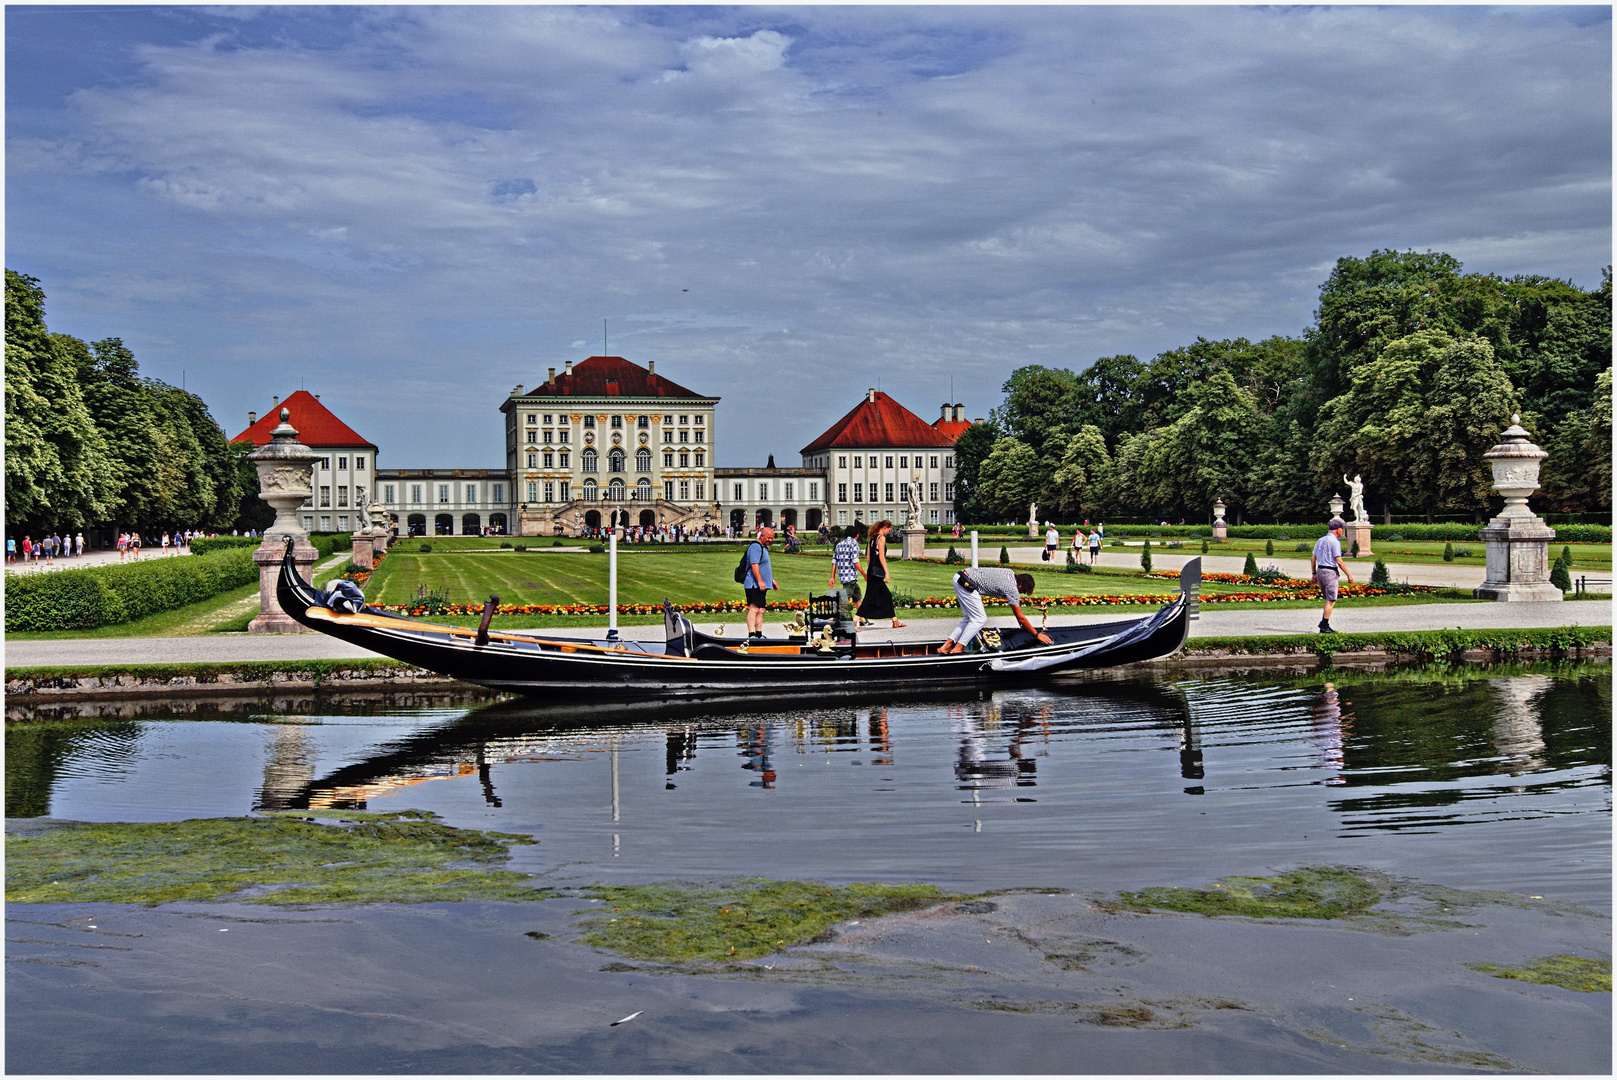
pixel 878 597
pixel 1326 564
pixel 760 579
pixel 1052 541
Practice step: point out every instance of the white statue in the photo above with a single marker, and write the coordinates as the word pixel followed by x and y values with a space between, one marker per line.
pixel 1356 496
pixel 914 496
pixel 1033 515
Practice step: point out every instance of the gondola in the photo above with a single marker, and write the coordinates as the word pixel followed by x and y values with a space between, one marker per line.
pixel 823 652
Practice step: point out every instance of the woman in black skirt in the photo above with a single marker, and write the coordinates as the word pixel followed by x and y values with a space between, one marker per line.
pixel 878 602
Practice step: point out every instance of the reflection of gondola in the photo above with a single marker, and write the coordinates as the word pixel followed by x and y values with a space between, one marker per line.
pixel 826 656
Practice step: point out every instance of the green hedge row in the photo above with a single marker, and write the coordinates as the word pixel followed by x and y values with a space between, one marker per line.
pixel 207 545
pixel 106 595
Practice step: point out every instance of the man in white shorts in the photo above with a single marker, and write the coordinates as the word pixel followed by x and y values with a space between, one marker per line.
pixel 974 583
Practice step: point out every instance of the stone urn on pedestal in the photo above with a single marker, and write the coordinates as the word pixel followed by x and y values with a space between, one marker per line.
pixel 1221 529
pixel 285 478
pixel 1517 541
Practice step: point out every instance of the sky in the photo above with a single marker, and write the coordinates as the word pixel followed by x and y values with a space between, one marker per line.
pixel 412 210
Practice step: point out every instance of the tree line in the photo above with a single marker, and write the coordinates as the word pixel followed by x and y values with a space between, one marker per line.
pixel 1408 375
pixel 92 444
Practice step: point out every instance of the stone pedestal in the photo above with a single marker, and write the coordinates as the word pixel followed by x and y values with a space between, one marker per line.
pixel 1517 541
pixel 364 549
pixel 533 522
pixel 1357 531
pixel 914 542
pixel 270 618
pixel 1220 530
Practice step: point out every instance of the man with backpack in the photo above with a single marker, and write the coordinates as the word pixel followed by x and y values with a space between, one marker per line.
pixel 755 563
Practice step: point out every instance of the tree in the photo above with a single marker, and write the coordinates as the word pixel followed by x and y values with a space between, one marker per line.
pixel 253 512
pixel 1106 395
pixel 1009 480
pixel 971 449
pixel 1081 474
pixel 58 474
pixel 1039 403
pixel 1470 404
pixel 1207 454
pixel 1576 477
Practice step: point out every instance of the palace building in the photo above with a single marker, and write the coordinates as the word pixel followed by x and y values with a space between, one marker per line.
pixel 608 440
pixel 345 471
pixel 873 456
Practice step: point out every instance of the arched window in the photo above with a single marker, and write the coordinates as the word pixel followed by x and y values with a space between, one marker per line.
pixel 615 460
pixel 589 491
pixel 615 491
pixel 642 490
pixel 642 460
pixel 589 458
pixel 470 524
pixel 444 525
pixel 497 523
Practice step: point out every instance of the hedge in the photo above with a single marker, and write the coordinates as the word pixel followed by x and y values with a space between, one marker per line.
pixel 106 595
pixel 205 545
pixel 1569 534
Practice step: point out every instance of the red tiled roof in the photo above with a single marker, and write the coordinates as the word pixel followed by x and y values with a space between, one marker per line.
pixel 880 422
pixel 951 429
pixel 610 376
pixel 317 426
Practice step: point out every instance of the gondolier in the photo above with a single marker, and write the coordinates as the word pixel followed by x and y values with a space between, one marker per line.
pixel 970 586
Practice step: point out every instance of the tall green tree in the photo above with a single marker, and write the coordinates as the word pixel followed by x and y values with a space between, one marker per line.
pixel 1208 453
pixel 1039 405
pixel 58 473
pixel 1576 477
pixel 971 449
pixel 1080 477
pixel 1009 480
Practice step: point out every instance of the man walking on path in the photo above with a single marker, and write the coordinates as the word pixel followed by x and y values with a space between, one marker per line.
pixel 970 586
pixel 845 568
pixel 1326 564
pixel 759 580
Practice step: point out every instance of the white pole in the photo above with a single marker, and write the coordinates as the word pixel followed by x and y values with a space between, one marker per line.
pixel 974 548
pixel 612 588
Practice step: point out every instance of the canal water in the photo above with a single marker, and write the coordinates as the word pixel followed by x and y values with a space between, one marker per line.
pixel 1493 779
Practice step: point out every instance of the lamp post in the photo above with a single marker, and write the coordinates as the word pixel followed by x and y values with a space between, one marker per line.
pixel 285 481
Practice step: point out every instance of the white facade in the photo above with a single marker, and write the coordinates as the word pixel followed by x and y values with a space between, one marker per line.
pixel 777 497
pixel 447 502
pixel 872 483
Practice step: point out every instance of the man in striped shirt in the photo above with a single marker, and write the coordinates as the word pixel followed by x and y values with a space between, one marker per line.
pixel 845 568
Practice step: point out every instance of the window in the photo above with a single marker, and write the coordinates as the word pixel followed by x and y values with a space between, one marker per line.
pixel 814 491
pixel 684 461
pixel 642 460
pixel 342 495
pixel 617 423
pixel 842 493
pixel 933 516
pixel 948 462
pixel 325 523
pixel 684 419
pixel 308 524
pixel 904 462
pixel 566 491
pixel 533 436
pixel 684 436
pixel 547 418
pixel 701 458
pixel 342 464
pixel 903 492
pixel 359 463
pixel 387 492
pixel 934 461
pixel 533 491
pixel 668 461
pixel 668 419
pixel 615 492
pixel 589 420
pixel 642 422
pixel 842 461
pixel 615 460
pixel 788 491
pixel 471 492
pixel 415 493
pixel 889 461
pixel 589 460
pixel 948 492
pixel 701 489
pixel 739 497
pixel 934 496
pixel 890 492
pixel 668 435
pixel 564 436
pixel 642 490
pixel 859 493
pixel 566 458
pixel 763 491
pixel 872 492
pixel 698 424
pixel 684 491
pixel 948 517
pixel 325 495
pixel 589 490
pixel 550 461
pixel 858 462
pixel 550 490
pixel 668 490
pixel 699 434
pixel 443 493
pixel 550 436
pixel 842 517
pixel 533 461
pixel 531 418
pixel 499 492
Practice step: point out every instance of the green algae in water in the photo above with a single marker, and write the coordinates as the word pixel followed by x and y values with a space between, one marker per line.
pixel 1580 973
pixel 740 920
pixel 281 859
pixel 1305 893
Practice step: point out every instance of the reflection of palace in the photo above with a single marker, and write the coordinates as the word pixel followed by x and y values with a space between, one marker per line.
pixel 607 442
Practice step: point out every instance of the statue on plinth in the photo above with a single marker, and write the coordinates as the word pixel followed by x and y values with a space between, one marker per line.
pixel 913 494
pixel 1355 496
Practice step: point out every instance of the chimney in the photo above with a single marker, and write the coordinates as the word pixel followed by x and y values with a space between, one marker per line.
pixel 569 369
pixel 252 418
pixel 979 420
pixel 516 391
pixel 958 410
pixel 870 395
pixel 317 397
pixel 651 367
pixel 275 399
pixel 944 417
pixel 551 381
